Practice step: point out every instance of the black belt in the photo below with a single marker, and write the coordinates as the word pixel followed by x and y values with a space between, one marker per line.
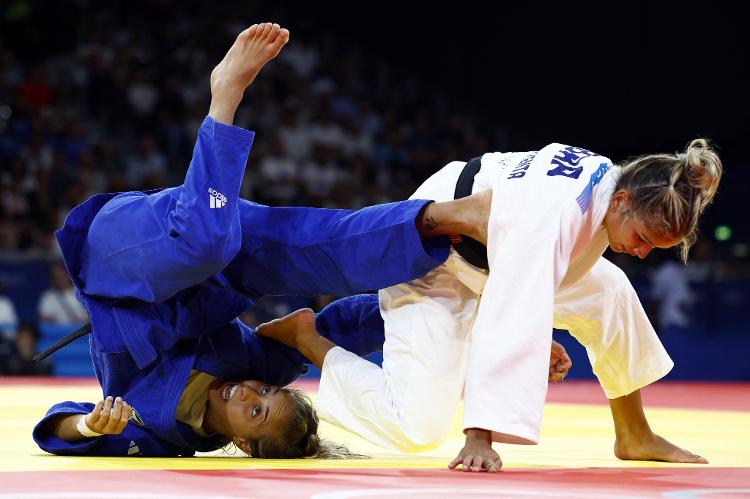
pixel 81 331
pixel 470 249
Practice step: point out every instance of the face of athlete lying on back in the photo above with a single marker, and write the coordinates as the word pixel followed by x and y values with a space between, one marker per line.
pixel 246 410
pixel 628 233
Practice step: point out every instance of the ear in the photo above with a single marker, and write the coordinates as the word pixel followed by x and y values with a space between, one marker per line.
pixel 620 200
pixel 242 444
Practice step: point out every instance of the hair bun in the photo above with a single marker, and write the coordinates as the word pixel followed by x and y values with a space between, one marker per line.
pixel 704 169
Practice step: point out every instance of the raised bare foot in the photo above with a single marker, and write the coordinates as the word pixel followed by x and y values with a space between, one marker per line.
pixel 252 50
pixel 291 328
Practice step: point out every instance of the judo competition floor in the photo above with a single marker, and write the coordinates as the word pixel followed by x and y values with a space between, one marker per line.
pixel 574 459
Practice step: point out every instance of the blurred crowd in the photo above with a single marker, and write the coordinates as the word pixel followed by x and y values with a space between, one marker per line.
pixel 117 107
pixel 120 111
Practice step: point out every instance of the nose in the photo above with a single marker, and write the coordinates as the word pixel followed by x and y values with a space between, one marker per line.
pixel 643 251
pixel 246 392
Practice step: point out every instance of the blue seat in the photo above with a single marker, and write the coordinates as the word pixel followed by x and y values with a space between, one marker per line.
pixel 72 360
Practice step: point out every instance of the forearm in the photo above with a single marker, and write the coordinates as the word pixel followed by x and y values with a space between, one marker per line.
pixel 64 428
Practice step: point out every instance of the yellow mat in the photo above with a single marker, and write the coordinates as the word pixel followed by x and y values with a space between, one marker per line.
pixel 573 436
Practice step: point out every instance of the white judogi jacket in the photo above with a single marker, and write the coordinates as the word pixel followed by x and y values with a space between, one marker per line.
pixel 545 243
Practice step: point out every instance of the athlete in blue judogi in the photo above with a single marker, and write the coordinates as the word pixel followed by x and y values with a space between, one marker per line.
pixel 164 274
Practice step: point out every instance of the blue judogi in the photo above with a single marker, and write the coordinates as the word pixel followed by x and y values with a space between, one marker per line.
pixel 164 274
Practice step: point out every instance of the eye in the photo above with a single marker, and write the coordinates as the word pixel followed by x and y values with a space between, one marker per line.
pixel 265 390
pixel 256 411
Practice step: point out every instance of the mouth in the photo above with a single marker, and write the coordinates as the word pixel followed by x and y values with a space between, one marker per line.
pixel 228 391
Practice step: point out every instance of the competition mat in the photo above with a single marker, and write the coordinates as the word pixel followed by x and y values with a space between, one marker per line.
pixel 573 460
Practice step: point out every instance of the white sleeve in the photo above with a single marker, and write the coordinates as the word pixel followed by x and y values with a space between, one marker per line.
pixel 508 359
pixel 603 312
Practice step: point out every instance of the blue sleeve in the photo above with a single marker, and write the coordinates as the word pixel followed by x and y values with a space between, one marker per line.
pixel 353 323
pixel 133 441
pixel 152 246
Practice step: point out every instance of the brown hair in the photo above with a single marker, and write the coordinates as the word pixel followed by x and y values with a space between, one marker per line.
pixel 670 191
pixel 300 437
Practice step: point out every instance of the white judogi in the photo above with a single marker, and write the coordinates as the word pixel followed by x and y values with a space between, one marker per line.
pixel 493 330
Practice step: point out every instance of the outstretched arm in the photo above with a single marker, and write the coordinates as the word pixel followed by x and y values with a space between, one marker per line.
pixel 634 438
pixel 109 417
pixel 57 432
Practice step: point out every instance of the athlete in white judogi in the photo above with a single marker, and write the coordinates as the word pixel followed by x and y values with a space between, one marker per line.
pixel 554 212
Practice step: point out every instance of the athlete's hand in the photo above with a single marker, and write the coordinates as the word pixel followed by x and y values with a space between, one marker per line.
pixel 477 454
pixel 559 362
pixel 109 417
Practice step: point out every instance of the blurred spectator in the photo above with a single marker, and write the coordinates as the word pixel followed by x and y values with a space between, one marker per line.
pixel 58 304
pixel 148 167
pixel 16 356
pixel 279 176
pixel 671 297
pixel 706 271
pixel 8 317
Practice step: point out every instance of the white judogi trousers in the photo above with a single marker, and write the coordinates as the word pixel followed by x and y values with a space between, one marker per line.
pixel 443 333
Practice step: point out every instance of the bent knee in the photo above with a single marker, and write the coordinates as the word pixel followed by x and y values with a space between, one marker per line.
pixel 418 436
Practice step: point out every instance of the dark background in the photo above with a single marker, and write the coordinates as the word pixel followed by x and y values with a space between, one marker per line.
pixel 620 78
pixel 443 82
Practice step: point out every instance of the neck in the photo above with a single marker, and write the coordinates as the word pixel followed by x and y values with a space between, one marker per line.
pixel 211 421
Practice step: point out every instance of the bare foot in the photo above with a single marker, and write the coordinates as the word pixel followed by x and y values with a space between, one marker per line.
pixel 655 448
pixel 252 50
pixel 291 328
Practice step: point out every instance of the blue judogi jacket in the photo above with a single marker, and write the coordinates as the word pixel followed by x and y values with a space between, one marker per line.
pixel 164 274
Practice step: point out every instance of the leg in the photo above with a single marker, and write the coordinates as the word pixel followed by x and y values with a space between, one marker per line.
pixel 353 323
pixel 408 404
pixel 307 251
pixel 303 251
pixel 603 312
pixel 150 247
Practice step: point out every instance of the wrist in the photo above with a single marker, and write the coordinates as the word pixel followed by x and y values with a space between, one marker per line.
pixel 84 429
pixel 478 434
